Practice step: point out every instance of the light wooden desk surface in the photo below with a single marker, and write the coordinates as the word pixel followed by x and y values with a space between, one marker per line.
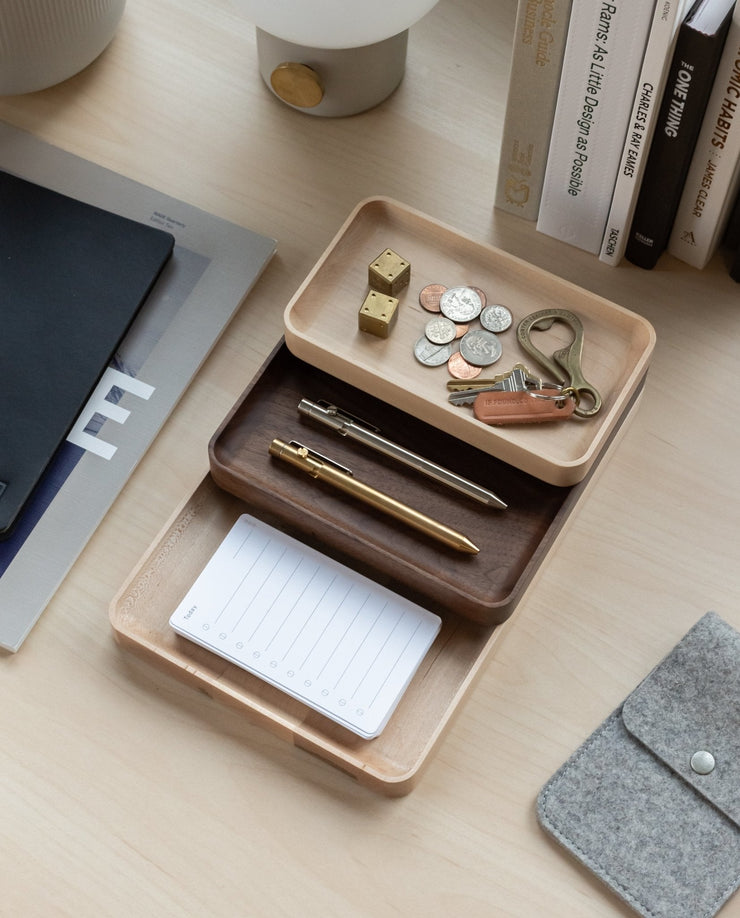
pixel 124 792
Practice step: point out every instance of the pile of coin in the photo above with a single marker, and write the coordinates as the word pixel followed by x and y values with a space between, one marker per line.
pixel 450 338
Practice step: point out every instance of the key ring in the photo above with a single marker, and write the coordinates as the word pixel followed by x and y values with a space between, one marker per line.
pixel 563 393
pixel 565 364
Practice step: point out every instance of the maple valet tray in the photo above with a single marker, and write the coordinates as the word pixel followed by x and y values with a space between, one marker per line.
pixel 548 470
pixel 321 327
pixel 513 544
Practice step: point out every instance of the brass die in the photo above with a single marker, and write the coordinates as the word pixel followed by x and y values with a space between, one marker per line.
pixel 389 273
pixel 378 314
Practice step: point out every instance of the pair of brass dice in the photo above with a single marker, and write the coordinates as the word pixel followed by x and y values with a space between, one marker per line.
pixel 388 275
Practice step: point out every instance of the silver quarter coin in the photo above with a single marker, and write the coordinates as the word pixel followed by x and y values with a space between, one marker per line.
pixel 440 330
pixel 461 304
pixel 431 355
pixel 480 347
pixel 496 318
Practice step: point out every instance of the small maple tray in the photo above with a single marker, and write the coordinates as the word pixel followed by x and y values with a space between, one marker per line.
pixel 321 327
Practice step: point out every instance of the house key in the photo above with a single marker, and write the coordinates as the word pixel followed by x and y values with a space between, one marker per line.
pixel 516 380
pixel 519 379
pixel 455 385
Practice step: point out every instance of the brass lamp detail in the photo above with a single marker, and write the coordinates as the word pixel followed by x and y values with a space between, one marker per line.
pixel 297 84
pixel 330 58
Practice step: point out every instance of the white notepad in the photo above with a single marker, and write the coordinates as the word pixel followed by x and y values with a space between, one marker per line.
pixel 326 635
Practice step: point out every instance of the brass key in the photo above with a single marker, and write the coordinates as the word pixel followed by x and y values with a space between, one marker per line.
pixel 483 384
pixel 517 380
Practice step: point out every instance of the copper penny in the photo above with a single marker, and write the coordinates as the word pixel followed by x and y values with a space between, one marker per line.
pixel 461 330
pixel 460 368
pixel 429 296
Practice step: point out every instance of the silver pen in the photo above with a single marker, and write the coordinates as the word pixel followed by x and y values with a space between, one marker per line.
pixel 348 426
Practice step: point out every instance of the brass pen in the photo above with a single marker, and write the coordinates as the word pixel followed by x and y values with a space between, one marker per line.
pixel 324 469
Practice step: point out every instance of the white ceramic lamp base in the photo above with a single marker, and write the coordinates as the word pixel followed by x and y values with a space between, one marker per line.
pixel 328 81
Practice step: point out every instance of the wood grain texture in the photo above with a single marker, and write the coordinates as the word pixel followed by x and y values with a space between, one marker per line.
pixel 126 791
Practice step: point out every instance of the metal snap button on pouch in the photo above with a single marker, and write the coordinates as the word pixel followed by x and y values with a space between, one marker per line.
pixel 702 762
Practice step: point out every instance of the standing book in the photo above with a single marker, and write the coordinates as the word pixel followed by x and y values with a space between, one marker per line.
pixel 731 241
pixel 667 18
pixel 712 180
pixel 536 62
pixel 603 55
pixel 699 45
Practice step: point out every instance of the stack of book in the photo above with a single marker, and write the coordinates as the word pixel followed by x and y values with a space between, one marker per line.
pixel 622 129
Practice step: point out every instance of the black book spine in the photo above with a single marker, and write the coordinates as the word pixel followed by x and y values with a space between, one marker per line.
pixel 731 240
pixel 687 90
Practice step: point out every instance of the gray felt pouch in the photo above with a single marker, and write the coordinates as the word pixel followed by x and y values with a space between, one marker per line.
pixel 651 801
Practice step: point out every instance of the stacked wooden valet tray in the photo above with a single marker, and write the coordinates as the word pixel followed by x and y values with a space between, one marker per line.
pixel 326 358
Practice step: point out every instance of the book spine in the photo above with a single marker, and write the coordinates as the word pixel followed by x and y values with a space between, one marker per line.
pixel 537 56
pixel 731 238
pixel 603 54
pixel 731 241
pixel 689 83
pixel 641 127
pixel 711 182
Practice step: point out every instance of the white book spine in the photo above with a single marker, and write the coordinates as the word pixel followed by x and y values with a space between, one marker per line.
pixel 713 176
pixel 667 18
pixel 536 61
pixel 603 55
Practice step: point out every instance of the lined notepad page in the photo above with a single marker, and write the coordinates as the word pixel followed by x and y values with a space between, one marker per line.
pixel 326 635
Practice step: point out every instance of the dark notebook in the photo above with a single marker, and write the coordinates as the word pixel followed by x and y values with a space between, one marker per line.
pixel 72 278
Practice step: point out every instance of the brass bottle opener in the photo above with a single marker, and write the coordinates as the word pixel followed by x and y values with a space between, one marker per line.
pixel 565 363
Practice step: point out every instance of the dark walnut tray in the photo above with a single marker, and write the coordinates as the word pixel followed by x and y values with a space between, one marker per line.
pixel 483 588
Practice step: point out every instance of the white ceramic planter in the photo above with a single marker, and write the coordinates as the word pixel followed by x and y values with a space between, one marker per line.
pixel 43 42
